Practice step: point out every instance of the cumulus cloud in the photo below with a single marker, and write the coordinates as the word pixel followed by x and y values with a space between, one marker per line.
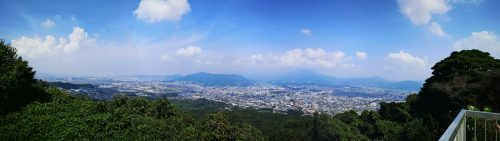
pixel 436 29
pixel 48 24
pixel 189 51
pixel 302 58
pixel 306 32
pixel 404 65
pixel 484 40
pixel 153 11
pixel 420 12
pixel 361 55
pixel 34 47
pixel 405 59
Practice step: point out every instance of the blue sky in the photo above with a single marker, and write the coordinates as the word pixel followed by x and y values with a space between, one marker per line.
pixel 395 39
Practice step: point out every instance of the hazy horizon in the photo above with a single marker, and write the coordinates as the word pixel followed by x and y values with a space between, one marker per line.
pixel 252 76
pixel 393 39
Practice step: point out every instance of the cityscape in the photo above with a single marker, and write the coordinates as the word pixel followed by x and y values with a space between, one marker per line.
pixel 279 97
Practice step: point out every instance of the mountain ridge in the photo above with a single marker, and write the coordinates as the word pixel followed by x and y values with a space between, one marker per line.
pixel 311 77
pixel 305 77
pixel 211 79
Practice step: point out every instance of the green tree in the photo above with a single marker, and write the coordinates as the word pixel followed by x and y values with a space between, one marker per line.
pixel 468 77
pixel 246 132
pixel 388 130
pixel 416 131
pixel 394 112
pixel 315 128
pixel 216 127
pixel 162 109
pixel 489 90
pixel 349 117
pixel 369 116
pixel 330 128
pixel 17 84
pixel 367 129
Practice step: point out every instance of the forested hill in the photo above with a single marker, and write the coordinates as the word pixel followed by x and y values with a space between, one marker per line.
pixel 68 86
pixel 32 110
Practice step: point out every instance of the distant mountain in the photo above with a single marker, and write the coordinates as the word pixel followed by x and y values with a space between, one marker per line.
pixel 408 85
pixel 210 79
pixel 65 85
pixel 380 82
pixel 310 77
pixel 300 77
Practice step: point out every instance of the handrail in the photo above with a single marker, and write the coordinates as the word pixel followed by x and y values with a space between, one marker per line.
pixel 452 130
pixel 458 126
pixel 484 115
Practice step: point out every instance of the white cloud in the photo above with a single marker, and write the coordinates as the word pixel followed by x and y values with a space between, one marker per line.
pixel 484 40
pixel 302 58
pixel 107 57
pixel 165 58
pixel 306 32
pixel 153 11
pixel 420 12
pixel 436 29
pixel 361 55
pixel 48 24
pixel 189 51
pixel 404 65
pixel 312 57
pixel 407 60
pixel 34 47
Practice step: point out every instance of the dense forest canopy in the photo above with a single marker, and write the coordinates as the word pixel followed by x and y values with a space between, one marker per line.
pixel 17 84
pixel 464 78
pixel 32 110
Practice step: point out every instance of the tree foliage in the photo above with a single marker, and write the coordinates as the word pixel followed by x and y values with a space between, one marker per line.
pixel 468 77
pixel 17 84
pixel 122 118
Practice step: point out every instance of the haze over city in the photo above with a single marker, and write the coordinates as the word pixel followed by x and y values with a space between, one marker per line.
pixel 394 39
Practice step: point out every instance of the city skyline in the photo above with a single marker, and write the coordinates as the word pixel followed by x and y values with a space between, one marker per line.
pixel 395 39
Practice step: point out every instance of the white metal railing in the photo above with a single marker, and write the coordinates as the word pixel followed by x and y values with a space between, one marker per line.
pixel 458 129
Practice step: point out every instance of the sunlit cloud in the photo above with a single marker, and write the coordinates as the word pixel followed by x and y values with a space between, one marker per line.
pixel 420 12
pixel 483 40
pixel 35 47
pixel 189 51
pixel 403 64
pixel 153 11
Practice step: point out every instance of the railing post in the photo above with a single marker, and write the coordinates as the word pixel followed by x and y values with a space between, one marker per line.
pixel 458 128
pixel 464 128
pixel 454 131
